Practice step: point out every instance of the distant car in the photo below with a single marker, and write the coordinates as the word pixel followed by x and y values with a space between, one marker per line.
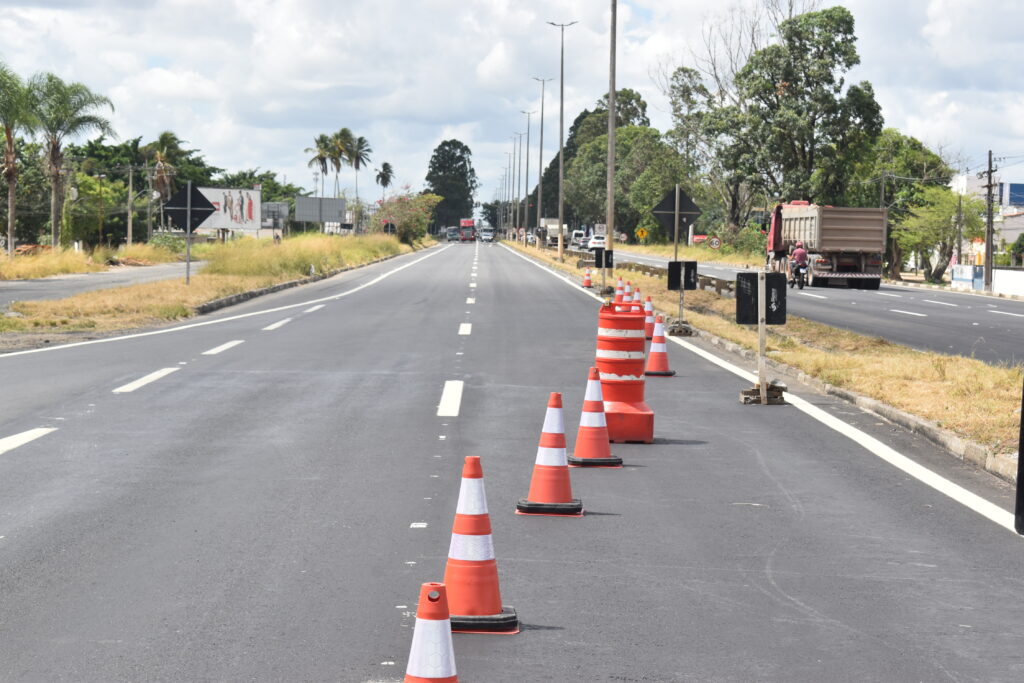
pixel 453 234
pixel 486 235
pixel 584 242
pixel 598 241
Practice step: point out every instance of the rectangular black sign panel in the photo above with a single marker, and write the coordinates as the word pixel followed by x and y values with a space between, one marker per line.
pixel 598 256
pixel 682 275
pixel 609 258
pixel 746 299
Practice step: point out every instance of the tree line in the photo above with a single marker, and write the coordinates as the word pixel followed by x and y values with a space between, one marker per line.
pixel 761 114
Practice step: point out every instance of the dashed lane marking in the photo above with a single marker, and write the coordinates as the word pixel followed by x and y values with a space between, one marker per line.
pixel 313 309
pixel 816 296
pixel 919 315
pixel 1016 315
pixel 223 347
pixel 451 398
pixel 143 381
pixel 898 296
pixel 466 329
pixel 940 303
pixel 279 323
pixel 11 442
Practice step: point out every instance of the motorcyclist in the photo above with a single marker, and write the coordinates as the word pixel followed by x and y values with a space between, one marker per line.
pixel 797 258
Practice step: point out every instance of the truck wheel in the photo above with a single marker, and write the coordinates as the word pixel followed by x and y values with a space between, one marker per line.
pixel 873 284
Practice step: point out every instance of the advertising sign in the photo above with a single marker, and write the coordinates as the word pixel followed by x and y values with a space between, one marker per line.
pixel 234 209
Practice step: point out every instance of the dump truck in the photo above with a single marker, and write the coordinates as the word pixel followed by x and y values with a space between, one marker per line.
pixel 844 245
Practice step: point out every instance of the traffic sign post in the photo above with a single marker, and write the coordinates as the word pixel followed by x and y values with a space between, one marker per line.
pixel 188 207
pixel 1018 518
pixel 770 298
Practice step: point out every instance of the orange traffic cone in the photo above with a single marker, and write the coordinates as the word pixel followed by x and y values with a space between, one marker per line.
pixel 586 280
pixel 648 319
pixel 627 293
pixel 471 575
pixel 592 449
pixel 618 287
pixel 550 488
pixel 638 305
pixel 431 657
pixel 657 358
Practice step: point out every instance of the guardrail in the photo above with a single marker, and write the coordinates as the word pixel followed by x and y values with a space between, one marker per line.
pixel 720 285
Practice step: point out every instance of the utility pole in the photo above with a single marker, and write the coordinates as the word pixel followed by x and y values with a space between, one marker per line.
pixel 561 143
pixel 508 190
pixel 610 218
pixel 526 186
pixel 519 182
pixel 131 201
pixel 988 226
pixel 540 165
pixel 959 229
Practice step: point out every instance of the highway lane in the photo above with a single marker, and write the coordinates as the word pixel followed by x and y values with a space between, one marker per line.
pixel 60 286
pixel 957 323
pixel 268 511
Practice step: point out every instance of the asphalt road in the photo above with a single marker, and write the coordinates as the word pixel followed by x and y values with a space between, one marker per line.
pixel 957 323
pixel 267 510
pixel 60 286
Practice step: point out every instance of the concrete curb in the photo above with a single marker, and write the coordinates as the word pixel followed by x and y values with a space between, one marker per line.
pixel 217 304
pixel 1002 465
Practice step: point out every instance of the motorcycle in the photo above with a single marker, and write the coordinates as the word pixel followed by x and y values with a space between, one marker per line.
pixel 799 275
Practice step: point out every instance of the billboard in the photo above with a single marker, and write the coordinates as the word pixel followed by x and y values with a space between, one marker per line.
pixel 235 209
pixel 319 210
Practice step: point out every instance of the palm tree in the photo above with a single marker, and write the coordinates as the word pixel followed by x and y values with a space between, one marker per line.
pixel 359 156
pixel 14 115
pixel 321 151
pixel 385 174
pixel 63 110
pixel 341 144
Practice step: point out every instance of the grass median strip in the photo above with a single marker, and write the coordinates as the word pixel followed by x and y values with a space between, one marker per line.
pixel 964 395
pixel 231 268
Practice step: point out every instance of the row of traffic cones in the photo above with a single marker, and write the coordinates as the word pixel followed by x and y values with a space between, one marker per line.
pixel 654 326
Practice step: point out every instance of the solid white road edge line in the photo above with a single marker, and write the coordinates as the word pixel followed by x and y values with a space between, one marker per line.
pixel 956 492
pixel 223 347
pixel 274 326
pixel 451 398
pixel 143 381
pixel 466 329
pixel 240 316
pixel 11 442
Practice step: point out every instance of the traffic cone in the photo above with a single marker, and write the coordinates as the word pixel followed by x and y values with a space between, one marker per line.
pixel 638 305
pixel 627 293
pixel 618 287
pixel 586 280
pixel 657 358
pixel 592 448
pixel 474 597
pixel 431 657
pixel 648 319
pixel 550 488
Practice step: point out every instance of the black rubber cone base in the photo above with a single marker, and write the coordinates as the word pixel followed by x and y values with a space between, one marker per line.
pixel 670 373
pixel 527 507
pixel 506 622
pixel 595 462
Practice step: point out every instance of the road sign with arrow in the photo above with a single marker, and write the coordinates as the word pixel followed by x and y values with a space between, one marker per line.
pixel 665 211
pixel 178 207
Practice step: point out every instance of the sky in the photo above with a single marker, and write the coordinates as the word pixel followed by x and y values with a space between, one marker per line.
pixel 251 83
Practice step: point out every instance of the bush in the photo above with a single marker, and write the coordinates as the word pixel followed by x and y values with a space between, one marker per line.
pixel 171 243
pixel 294 256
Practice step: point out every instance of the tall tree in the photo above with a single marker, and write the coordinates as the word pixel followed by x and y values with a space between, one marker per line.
pixel 385 174
pixel 321 150
pixel 359 156
pixel 63 110
pixel 451 175
pixel 339 153
pixel 15 115
pixel 937 224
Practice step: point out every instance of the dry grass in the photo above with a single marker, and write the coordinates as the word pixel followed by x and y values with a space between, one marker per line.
pixel 146 253
pixel 48 263
pixel 966 396
pixel 169 300
pixel 702 254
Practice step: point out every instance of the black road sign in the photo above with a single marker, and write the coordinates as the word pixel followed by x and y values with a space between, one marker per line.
pixel 665 211
pixel 609 258
pixel 746 298
pixel 176 208
pixel 682 275
pixel 604 258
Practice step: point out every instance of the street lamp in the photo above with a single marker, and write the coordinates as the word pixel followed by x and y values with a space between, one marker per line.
pixel 526 185
pixel 540 163
pixel 561 142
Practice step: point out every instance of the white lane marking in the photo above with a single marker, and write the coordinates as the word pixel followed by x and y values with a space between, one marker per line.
pixel 898 296
pixel 11 442
pixel 941 303
pixel 451 398
pixel 313 308
pixel 919 315
pixel 470 300
pixel 218 321
pixel 418 525
pixel 466 329
pixel 143 381
pixel 1016 315
pixel 956 492
pixel 223 347
pixel 816 296
pixel 279 323
pixel 472 285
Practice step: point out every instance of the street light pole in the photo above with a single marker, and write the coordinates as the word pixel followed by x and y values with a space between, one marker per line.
pixel 507 208
pixel 610 218
pixel 519 181
pixel 526 185
pixel 540 163
pixel 561 141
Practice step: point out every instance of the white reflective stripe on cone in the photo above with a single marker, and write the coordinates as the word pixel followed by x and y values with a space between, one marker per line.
pixel 659 330
pixel 620 378
pixel 611 332
pixel 554 423
pixel 588 419
pixel 649 320
pixel 628 355
pixel 472 498
pixel 593 391
pixel 431 655
pixel 471 547
pixel 552 457
pixel 656 348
